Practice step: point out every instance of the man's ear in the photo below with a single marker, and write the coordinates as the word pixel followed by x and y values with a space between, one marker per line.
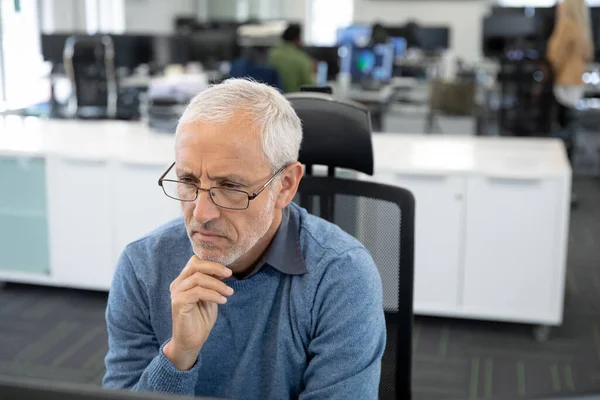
pixel 288 184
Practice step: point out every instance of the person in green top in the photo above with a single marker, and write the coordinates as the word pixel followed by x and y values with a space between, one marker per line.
pixel 294 66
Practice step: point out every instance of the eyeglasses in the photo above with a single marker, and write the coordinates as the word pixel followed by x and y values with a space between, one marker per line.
pixel 231 199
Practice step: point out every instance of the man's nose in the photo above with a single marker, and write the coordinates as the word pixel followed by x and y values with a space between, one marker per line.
pixel 204 208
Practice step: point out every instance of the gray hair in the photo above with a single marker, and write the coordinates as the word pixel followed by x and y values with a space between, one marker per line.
pixel 281 129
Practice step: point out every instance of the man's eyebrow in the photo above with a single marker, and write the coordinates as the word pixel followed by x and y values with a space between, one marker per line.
pixel 228 177
pixel 185 172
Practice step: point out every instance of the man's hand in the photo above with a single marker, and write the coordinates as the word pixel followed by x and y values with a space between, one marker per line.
pixel 195 296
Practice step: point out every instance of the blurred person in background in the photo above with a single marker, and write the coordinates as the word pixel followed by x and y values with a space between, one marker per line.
pixel 570 48
pixel 294 66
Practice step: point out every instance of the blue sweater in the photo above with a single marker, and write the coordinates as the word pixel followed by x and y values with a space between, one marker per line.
pixel 317 335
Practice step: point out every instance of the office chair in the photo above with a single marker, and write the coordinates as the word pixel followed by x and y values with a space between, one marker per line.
pixel 337 134
pixel 90 65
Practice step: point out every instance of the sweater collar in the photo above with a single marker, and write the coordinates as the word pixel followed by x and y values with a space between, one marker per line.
pixel 284 253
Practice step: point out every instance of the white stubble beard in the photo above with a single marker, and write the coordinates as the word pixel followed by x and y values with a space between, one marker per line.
pixel 263 223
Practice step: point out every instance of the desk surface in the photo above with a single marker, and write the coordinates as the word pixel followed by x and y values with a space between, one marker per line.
pixel 506 157
pixel 354 92
pixel 134 142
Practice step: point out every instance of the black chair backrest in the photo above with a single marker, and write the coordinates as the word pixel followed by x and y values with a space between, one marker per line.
pixel 336 133
pixel 89 63
pixel 380 216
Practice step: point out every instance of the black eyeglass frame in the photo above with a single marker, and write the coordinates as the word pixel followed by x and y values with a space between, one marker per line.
pixel 198 189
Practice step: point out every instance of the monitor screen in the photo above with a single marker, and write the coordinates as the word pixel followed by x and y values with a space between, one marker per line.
pixel 322 69
pixel 510 32
pixel 434 38
pixel 328 55
pixel 355 35
pixel 373 62
pixel 399 46
pixel 53 46
pixel 170 49
pixel 212 46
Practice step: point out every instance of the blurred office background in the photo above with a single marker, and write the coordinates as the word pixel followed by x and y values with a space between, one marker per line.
pixel 457 84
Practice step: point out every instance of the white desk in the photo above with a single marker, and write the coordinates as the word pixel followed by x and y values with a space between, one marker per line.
pixel 85 189
pixel 491 223
pixel 491 220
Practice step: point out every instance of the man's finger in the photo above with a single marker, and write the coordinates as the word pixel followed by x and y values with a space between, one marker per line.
pixel 195 264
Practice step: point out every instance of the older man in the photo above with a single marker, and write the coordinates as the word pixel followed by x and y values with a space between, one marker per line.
pixel 247 296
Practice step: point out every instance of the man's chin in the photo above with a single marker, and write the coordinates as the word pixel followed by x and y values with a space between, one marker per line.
pixel 211 254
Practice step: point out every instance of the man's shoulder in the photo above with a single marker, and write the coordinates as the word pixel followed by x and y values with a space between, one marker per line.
pixel 324 243
pixel 168 242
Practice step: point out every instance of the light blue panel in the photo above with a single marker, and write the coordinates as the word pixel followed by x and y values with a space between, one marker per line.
pixel 24 244
pixel 23 220
pixel 23 184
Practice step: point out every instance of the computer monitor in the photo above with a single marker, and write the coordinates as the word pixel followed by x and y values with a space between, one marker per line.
pixel 125 50
pixel 186 24
pixel 500 32
pixel 33 389
pixel 327 54
pixel 400 46
pixel 212 46
pixel 373 63
pixel 322 73
pixel 53 46
pixel 434 38
pixel 170 49
pixel 355 35
pixel 143 49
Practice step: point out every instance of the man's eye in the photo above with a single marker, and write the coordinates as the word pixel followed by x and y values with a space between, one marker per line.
pixel 229 185
pixel 185 180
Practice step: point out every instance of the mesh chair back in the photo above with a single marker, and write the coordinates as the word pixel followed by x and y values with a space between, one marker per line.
pixel 382 218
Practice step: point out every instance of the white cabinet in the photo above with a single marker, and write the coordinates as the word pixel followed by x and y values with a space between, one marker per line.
pixel 140 204
pixel 79 214
pixel 513 253
pixel 439 218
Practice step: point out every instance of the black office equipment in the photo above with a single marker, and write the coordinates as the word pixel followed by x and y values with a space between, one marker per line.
pixel 316 89
pixel 337 134
pixel 143 49
pixel 170 49
pixel 32 389
pixel 433 38
pixel 185 25
pixel 227 24
pixel 53 46
pixel 212 46
pixel 328 54
pixel 90 65
pixel 510 32
pixel 125 50
pixel 410 33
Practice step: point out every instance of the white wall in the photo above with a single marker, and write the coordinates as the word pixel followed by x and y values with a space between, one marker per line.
pixel 463 17
pixel 62 15
pixel 156 16
pixel 294 10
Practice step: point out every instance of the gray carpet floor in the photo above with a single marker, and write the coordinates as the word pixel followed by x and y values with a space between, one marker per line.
pixel 59 334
